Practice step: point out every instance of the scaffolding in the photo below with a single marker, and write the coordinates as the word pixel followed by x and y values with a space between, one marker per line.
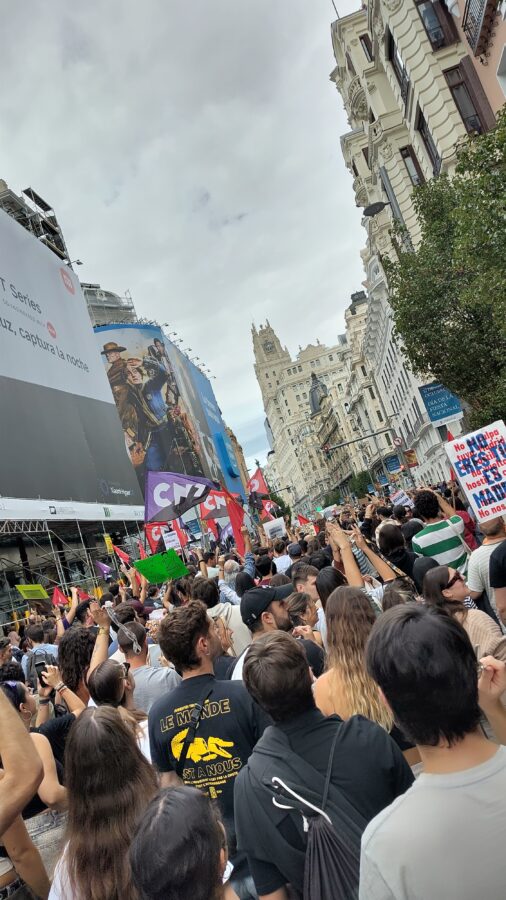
pixel 34 214
pixel 57 555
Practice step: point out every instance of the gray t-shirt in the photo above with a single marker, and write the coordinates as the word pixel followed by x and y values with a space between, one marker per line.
pixel 151 683
pixel 444 839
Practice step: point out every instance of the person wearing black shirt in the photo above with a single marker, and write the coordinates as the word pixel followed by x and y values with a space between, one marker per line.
pixel 368 768
pixel 498 578
pixel 229 727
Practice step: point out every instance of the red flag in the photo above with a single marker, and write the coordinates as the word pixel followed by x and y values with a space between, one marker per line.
pixel 142 552
pixel 267 509
pixel 236 515
pixel 181 533
pixel 154 533
pixel 303 520
pixel 213 526
pixel 257 484
pixel 124 557
pixel 82 595
pixel 449 437
pixel 214 506
pixel 58 598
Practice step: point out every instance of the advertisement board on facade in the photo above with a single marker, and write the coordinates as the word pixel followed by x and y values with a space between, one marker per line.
pixel 62 440
pixel 154 402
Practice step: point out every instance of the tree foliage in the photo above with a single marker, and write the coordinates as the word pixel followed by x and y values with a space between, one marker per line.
pixel 285 509
pixel 358 484
pixel 449 295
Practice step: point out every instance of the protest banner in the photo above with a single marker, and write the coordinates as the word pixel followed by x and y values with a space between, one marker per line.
pixel 275 529
pixel 171 540
pixel 400 498
pixel 161 567
pixel 479 461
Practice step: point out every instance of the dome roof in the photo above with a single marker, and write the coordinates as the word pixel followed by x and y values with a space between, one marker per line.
pixel 317 392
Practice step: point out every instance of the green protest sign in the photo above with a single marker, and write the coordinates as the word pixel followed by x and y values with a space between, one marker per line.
pixel 32 592
pixel 161 567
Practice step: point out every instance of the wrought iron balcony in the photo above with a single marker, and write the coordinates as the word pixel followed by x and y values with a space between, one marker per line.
pixel 478 22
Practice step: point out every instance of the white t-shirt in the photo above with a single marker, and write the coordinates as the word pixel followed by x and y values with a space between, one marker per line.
pixel 478 571
pixel 237 673
pixel 443 838
pixel 282 563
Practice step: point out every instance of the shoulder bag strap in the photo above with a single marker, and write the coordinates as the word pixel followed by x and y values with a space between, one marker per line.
pixel 192 728
pixel 459 536
pixel 329 771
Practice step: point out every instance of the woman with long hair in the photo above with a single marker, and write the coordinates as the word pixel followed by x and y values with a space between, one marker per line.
pixel 393 547
pixel 346 688
pixel 179 851
pixel 445 588
pixel 112 684
pixel 110 784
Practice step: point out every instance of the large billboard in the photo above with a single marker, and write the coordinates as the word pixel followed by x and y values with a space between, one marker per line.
pixel 217 429
pixel 61 437
pixel 155 404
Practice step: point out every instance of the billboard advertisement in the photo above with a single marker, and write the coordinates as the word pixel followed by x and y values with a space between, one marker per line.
pixel 163 422
pixel 62 441
pixel 215 427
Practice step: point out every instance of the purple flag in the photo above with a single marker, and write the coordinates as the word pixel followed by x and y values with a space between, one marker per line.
pixel 104 570
pixel 168 495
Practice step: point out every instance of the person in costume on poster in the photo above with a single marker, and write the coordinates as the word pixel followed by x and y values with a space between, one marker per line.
pixel 159 434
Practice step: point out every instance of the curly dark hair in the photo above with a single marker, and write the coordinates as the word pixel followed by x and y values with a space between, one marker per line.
pixel 12 671
pixel 74 655
pixel 206 590
pixel 179 633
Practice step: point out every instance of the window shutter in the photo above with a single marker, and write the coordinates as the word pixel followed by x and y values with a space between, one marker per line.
pixel 478 95
pixel 447 24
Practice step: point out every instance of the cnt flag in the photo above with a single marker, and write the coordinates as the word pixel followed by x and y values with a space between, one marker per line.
pixel 257 484
pixel 169 495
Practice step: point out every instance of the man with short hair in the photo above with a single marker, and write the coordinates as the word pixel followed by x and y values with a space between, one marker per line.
pixel 446 836
pixel 304 580
pixel 263 609
pixel 39 651
pixel 442 538
pixel 229 724
pixel 367 767
pixel 478 572
pixel 151 682
pixel 281 558
pixel 207 591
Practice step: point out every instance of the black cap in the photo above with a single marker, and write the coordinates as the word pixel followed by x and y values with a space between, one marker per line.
pixel 255 601
pixel 294 550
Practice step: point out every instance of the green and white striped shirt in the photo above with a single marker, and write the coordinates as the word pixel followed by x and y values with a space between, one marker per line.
pixel 441 542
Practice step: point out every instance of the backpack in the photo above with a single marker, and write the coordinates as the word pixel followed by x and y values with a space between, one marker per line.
pixel 37 656
pixel 332 826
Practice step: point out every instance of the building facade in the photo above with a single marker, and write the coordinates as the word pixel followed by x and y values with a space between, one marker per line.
pixel 415 80
pixel 285 383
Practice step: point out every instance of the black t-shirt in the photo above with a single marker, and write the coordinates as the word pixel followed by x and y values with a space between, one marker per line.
pixel 368 768
pixel 229 728
pixel 222 666
pixel 498 566
pixel 56 731
pixel 315 656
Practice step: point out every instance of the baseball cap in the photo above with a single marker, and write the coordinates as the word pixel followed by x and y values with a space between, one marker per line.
pixel 255 601
pixel 294 550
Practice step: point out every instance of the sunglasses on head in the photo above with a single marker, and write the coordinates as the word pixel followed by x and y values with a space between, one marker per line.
pixel 454 579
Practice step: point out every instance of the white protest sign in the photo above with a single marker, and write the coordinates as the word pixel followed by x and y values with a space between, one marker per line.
pixel 275 529
pixel 479 461
pixel 400 498
pixel 171 540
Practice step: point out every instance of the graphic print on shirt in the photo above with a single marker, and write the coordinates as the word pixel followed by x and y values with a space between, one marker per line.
pixel 210 762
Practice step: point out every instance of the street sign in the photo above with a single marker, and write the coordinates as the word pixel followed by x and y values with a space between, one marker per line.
pixel 398 441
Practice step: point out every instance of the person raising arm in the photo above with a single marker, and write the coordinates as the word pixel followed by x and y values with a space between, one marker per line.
pixel 22 766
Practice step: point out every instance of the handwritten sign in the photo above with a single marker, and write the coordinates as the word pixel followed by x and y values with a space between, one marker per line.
pixel 479 461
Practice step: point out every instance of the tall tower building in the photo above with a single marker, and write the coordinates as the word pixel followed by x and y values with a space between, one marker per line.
pixel 285 383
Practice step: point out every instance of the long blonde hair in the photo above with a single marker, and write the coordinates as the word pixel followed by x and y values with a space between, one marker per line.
pixel 350 618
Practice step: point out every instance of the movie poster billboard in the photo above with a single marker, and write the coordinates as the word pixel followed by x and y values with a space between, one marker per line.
pixel 160 416
pixel 61 436
pixel 211 423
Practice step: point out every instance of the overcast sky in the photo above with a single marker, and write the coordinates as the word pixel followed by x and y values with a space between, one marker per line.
pixel 191 152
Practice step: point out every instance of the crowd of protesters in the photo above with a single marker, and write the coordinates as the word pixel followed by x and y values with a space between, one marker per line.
pixel 321 717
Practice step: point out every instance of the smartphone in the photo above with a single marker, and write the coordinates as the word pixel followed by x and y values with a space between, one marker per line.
pixel 39 668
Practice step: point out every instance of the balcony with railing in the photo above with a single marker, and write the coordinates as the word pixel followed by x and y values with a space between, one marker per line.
pixel 478 23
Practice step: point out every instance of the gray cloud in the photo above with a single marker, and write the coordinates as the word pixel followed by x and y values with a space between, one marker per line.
pixel 191 151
